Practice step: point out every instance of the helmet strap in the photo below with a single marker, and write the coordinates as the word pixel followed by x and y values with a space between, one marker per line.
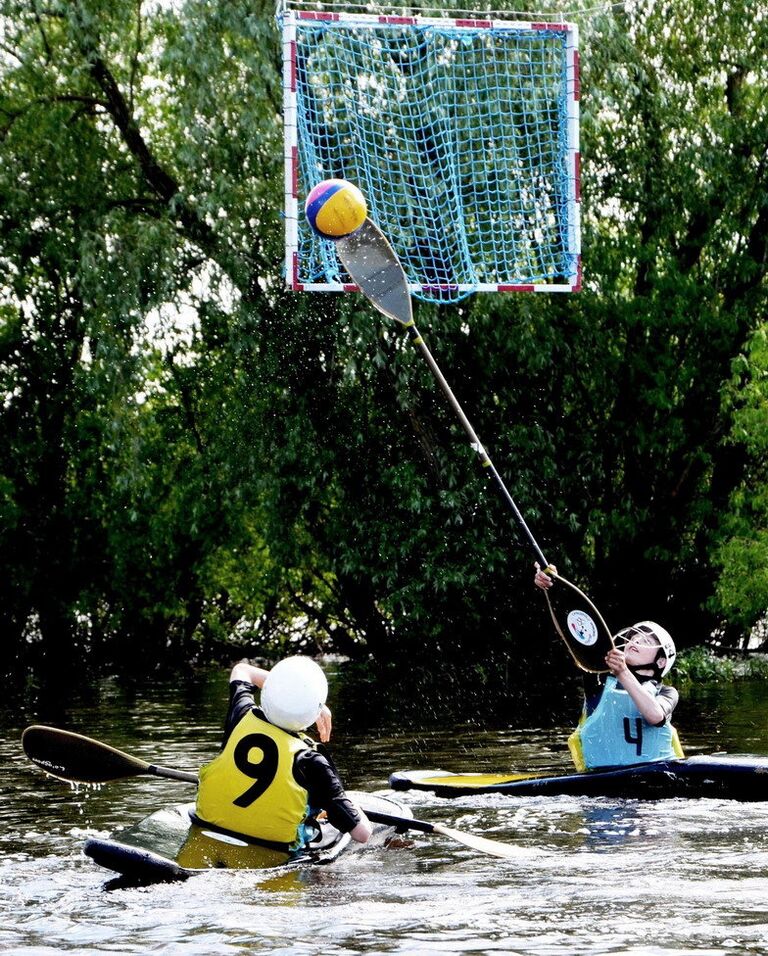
pixel 653 667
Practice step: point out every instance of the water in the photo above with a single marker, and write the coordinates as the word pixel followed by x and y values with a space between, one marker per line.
pixel 593 877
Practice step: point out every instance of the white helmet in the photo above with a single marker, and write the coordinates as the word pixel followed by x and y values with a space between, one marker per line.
pixel 663 636
pixel 293 693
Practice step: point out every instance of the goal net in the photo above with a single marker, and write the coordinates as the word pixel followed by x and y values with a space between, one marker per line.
pixel 461 133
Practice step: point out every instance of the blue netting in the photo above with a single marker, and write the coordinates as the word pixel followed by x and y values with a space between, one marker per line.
pixel 457 138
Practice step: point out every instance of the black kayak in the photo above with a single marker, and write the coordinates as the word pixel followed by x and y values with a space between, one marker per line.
pixel 167 846
pixel 737 777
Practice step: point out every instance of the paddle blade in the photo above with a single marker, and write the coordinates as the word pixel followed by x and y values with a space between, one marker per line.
pixel 74 757
pixel 373 265
pixel 484 845
pixel 580 625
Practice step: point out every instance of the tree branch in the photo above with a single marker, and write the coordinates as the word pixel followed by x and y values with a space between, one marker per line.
pixel 159 180
pixel 46 44
pixel 135 56
pixel 12 52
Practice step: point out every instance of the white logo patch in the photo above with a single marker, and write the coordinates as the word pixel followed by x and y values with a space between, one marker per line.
pixel 582 627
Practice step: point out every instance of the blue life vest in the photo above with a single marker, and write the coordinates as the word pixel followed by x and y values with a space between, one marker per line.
pixel 616 734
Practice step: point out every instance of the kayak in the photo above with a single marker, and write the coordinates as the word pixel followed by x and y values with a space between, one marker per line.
pixel 167 846
pixel 724 777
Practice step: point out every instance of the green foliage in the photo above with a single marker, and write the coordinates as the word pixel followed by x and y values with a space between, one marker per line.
pixel 193 462
pixel 742 554
pixel 757 668
pixel 700 665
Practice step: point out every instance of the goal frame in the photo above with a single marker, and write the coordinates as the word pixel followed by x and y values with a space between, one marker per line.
pixel 291 18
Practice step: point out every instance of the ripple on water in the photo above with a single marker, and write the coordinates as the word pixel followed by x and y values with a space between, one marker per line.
pixel 595 877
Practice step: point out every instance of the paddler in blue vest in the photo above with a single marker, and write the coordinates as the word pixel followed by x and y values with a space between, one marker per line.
pixel 270 781
pixel 626 715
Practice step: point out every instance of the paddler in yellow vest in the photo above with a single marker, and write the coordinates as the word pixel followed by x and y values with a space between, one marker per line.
pixel 626 715
pixel 270 780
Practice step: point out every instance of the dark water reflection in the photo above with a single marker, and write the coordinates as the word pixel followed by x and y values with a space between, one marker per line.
pixel 593 877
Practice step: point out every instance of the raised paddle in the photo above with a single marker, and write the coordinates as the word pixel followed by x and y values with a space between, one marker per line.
pixel 373 264
pixel 81 759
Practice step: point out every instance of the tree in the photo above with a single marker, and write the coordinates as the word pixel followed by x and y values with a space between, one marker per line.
pixel 266 468
pixel 96 235
pixel 742 555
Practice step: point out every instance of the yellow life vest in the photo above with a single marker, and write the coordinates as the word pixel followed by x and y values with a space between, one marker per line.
pixel 249 787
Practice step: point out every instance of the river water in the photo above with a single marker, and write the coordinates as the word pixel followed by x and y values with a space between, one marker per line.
pixel 594 876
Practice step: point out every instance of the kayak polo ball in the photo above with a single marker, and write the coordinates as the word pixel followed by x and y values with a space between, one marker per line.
pixel 335 208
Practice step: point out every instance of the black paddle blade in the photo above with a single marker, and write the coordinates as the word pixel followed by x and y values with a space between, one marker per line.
pixel 580 625
pixel 74 757
pixel 372 263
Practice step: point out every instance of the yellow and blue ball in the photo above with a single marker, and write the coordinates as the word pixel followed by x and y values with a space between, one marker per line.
pixel 335 208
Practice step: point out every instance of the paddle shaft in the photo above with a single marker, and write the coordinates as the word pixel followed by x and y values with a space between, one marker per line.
pixel 172 774
pixel 477 446
pixel 582 655
pixel 590 656
pixel 373 264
